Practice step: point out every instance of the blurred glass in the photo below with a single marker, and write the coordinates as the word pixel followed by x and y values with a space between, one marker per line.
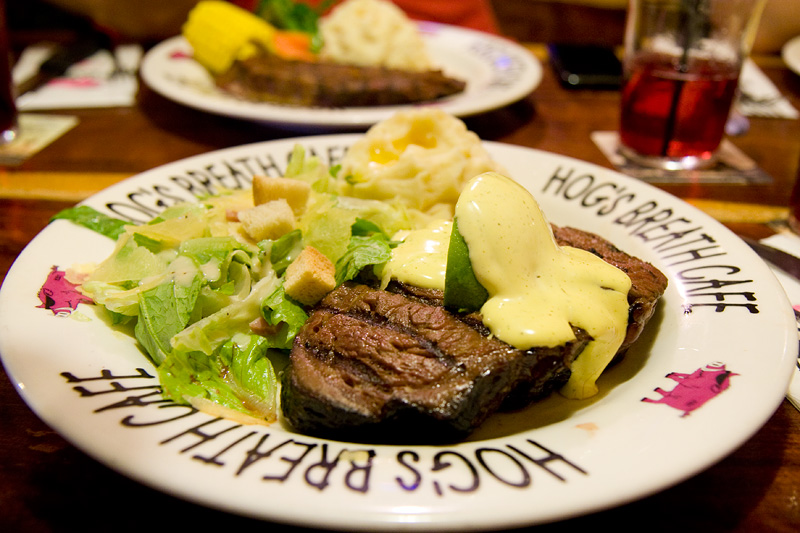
pixel 681 69
pixel 794 204
pixel 8 109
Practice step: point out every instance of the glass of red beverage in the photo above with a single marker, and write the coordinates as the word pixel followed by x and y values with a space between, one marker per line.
pixel 681 69
pixel 8 109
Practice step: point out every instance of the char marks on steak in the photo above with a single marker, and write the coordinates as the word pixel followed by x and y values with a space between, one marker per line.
pixel 395 366
pixel 268 78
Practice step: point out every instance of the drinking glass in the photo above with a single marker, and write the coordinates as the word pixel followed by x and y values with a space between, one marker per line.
pixel 8 109
pixel 681 69
pixel 794 203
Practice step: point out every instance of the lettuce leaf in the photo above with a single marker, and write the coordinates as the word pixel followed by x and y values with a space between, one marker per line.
pixel 129 263
pixel 279 310
pixel 209 333
pixel 328 221
pixel 239 375
pixel 283 250
pixel 369 245
pixel 93 219
pixel 164 311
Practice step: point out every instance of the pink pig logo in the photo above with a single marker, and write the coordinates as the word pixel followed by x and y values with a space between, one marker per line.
pixel 60 295
pixel 695 389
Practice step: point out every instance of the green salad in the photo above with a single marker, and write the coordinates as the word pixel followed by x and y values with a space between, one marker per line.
pixel 190 285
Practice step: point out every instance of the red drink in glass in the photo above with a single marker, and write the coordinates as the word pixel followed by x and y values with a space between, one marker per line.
pixel 672 112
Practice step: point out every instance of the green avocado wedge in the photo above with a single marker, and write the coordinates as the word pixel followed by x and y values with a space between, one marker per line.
pixel 462 290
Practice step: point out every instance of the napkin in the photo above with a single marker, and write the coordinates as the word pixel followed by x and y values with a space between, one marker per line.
pixel 758 96
pixel 88 83
pixel 789 242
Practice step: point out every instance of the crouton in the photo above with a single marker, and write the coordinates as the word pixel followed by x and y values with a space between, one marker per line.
pixel 295 192
pixel 267 221
pixel 310 277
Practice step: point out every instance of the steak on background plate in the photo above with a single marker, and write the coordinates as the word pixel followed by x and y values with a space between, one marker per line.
pixel 268 78
pixel 395 366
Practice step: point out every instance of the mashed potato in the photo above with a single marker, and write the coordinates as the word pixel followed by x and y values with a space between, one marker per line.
pixel 373 33
pixel 421 158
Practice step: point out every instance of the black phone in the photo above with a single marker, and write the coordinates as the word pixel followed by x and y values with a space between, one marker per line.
pixel 586 66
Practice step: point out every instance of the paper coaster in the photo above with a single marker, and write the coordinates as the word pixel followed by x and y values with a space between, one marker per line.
pixel 733 165
pixel 35 132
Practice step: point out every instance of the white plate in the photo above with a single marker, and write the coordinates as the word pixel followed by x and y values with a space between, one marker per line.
pixel 555 460
pixel 791 54
pixel 497 72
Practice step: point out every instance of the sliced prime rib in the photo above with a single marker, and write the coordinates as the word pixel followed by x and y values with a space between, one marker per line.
pixel 395 366
pixel 268 78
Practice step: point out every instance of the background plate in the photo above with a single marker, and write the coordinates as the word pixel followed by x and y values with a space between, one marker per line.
pixel 554 460
pixel 497 71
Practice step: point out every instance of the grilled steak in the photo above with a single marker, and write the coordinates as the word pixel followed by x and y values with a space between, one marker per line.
pixel 267 78
pixel 377 365
pixel 395 366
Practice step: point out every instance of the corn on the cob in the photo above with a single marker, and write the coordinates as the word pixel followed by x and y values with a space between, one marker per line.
pixel 220 33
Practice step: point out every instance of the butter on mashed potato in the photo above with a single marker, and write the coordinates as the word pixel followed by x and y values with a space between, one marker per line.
pixel 373 33
pixel 420 158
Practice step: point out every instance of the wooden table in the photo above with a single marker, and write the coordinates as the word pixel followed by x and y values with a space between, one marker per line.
pixel 46 484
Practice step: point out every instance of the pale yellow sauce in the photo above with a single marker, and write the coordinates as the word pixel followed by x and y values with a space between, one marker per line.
pixel 183 271
pixel 421 259
pixel 537 289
